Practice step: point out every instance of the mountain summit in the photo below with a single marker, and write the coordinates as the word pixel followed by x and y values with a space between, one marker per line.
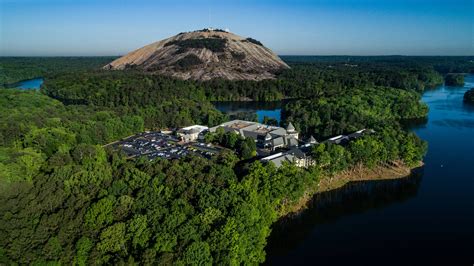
pixel 204 55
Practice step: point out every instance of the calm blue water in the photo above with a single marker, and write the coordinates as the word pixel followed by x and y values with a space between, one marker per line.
pixel 262 109
pixel 30 84
pixel 427 219
pixel 275 114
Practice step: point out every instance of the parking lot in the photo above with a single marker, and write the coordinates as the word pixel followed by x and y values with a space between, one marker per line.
pixel 159 145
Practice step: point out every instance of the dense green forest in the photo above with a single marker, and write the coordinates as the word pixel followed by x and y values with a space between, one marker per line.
pixel 325 80
pixel 66 199
pixel 97 207
pixel 302 81
pixel 362 108
pixel 15 69
pixel 160 101
pixel 442 64
pixel 454 79
pixel 35 129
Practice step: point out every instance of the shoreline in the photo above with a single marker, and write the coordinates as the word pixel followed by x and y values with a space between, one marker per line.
pixel 358 173
pixel 18 83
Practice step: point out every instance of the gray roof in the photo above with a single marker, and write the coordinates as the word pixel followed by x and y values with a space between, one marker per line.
pixel 268 136
pixel 290 128
pixel 292 142
pixel 297 153
pixel 279 132
pixel 249 134
pixel 341 140
pixel 355 135
pixel 312 139
pixel 277 142
pixel 194 131
pixel 279 160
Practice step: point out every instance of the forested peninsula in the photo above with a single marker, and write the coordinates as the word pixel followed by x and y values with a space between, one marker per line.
pixel 65 198
pixel 454 79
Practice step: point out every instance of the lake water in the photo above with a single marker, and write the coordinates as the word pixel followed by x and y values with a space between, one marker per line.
pixel 426 219
pixel 30 84
pixel 262 109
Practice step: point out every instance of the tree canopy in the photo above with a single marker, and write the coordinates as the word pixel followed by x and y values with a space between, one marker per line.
pixel 65 198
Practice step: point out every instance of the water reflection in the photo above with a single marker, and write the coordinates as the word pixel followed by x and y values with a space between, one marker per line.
pixel 468 107
pixel 414 123
pixel 327 207
pixel 455 123
pixel 397 222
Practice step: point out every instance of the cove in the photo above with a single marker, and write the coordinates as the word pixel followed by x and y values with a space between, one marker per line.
pixel 424 219
pixel 261 109
pixel 29 84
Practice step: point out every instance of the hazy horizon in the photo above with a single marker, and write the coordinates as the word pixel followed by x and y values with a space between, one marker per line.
pixel 290 28
pixel 284 55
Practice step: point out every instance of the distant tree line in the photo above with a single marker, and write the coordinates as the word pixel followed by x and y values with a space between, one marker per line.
pixel 15 69
pixel 324 80
pixel 454 79
pixel 442 64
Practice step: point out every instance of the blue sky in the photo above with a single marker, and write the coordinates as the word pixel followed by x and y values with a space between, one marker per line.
pixel 296 27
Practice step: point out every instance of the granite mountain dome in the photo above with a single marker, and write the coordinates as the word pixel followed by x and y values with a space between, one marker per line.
pixel 204 55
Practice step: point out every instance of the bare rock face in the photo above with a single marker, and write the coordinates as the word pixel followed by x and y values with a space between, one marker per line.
pixel 204 55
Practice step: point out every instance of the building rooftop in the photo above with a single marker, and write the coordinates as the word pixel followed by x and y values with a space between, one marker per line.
pixel 273 156
pixel 312 140
pixel 266 136
pixel 290 128
pixel 297 153
pixel 194 128
pixel 279 158
pixel 279 131
pixel 277 142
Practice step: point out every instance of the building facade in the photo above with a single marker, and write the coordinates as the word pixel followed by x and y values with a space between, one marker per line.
pixel 191 133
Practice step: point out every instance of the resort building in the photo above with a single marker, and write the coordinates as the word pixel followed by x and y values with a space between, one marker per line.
pixel 299 156
pixel 290 129
pixel 278 158
pixel 311 140
pixel 345 139
pixel 340 140
pixel 191 133
pixel 268 137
